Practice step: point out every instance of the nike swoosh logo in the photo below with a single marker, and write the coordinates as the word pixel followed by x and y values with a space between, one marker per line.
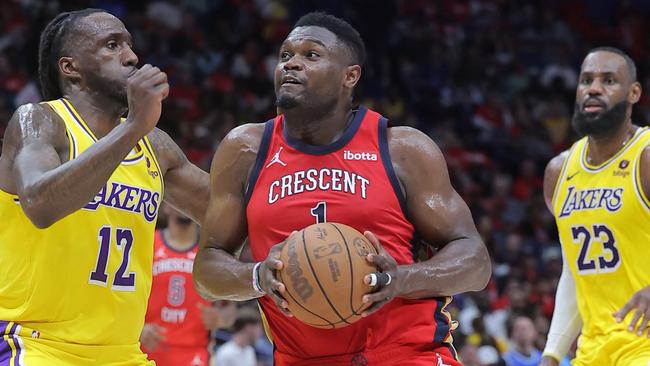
pixel 568 178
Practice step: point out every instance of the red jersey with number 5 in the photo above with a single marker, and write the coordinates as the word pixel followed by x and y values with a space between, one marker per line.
pixel 174 303
pixel 351 181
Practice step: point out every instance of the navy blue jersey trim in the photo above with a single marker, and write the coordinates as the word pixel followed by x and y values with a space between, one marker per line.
pixel 259 161
pixel 451 349
pixel 76 119
pixel 415 246
pixel 336 145
pixel 442 323
pixel 388 165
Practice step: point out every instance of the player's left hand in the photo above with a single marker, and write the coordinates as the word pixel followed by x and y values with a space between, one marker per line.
pixel 641 302
pixel 385 287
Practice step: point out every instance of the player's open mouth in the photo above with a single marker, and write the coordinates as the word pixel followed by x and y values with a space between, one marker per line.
pixel 288 80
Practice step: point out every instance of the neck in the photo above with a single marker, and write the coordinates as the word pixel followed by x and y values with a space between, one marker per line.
pixel 525 349
pixel 181 237
pixel 100 114
pixel 314 128
pixel 601 148
pixel 241 340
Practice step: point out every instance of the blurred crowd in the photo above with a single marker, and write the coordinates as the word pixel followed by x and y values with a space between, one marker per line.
pixel 491 81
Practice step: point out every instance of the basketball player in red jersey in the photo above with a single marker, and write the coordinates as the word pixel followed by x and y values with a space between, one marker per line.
pixel 178 320
pixel 322 160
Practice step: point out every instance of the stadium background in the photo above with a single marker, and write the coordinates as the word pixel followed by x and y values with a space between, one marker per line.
pixel 492 82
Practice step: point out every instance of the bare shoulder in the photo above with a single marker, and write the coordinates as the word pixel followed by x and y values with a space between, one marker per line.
pixel 31 123
pixel 645 155
pixel 551 176
pixel 412 147
pixel 644 170
pixel 247 136
pixel 554 166
pixel 417 161
pixel 234 159
pixel 242 143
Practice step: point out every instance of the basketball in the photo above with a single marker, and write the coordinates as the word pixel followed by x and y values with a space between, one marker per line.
pixel 324 267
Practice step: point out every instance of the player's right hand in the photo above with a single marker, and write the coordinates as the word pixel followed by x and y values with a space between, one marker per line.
pixel 151 336
pixel 548 361
pixel 145 90
pixel 269 281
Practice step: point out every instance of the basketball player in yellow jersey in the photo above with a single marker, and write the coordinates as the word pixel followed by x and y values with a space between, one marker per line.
pixel 80 190
pixel 598 192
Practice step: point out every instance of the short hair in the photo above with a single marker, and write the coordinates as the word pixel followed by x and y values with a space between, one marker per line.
pixel 54 40
pixel 342 29
pixel 631 66
pixel 244 318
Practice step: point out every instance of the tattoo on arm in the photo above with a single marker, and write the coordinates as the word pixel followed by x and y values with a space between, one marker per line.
pixel 49 189
pixel 187 187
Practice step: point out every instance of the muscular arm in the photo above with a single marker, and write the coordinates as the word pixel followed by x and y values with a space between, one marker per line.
pixel 566 322
pixel 217 271
pixel 187 187
pixel 441 216
pixel 644 170
pixel 551 175
pixel 48 188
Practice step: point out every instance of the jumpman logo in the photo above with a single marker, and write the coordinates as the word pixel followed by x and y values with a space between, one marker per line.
pixel 440 363
pixel 276 159
pixel 196 361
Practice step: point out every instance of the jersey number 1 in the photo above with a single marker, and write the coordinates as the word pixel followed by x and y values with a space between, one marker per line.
pixel 124 241
pixel 320 212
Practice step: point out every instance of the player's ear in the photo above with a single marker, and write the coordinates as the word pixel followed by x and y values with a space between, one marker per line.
pixel 352 76
pixel 68 68
pixel 635 93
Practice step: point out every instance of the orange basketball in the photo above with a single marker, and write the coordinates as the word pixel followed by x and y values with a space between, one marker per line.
pixel 324 267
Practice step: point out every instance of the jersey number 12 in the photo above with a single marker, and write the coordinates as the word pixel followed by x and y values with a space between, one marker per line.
pixel 124 242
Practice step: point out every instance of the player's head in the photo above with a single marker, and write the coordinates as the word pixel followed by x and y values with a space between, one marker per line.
pixel 523 331
pixel 86 50
pixel 248 325
pixel 607 89
pixel 319 63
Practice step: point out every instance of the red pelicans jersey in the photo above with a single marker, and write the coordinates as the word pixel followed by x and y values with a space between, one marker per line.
pixel 351 181
pixel 173 304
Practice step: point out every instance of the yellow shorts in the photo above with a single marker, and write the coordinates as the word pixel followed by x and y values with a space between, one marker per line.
pixel 617 349
pixel 19 349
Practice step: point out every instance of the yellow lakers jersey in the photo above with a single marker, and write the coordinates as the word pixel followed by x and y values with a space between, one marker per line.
pixel 603 218
pixel 86 279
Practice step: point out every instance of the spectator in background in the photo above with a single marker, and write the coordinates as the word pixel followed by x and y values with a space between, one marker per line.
pixel 523 351
pixel 178 321
pixel 239 351
pixel 500 68
pixel 469 355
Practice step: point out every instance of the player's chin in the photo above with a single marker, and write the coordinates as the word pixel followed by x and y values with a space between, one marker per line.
pixel 590 116
pixel 120 96
pixel 287 100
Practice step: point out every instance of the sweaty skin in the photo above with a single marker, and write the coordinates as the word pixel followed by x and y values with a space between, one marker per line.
pixel 314 81
pixel 34 162
pixel 446 221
